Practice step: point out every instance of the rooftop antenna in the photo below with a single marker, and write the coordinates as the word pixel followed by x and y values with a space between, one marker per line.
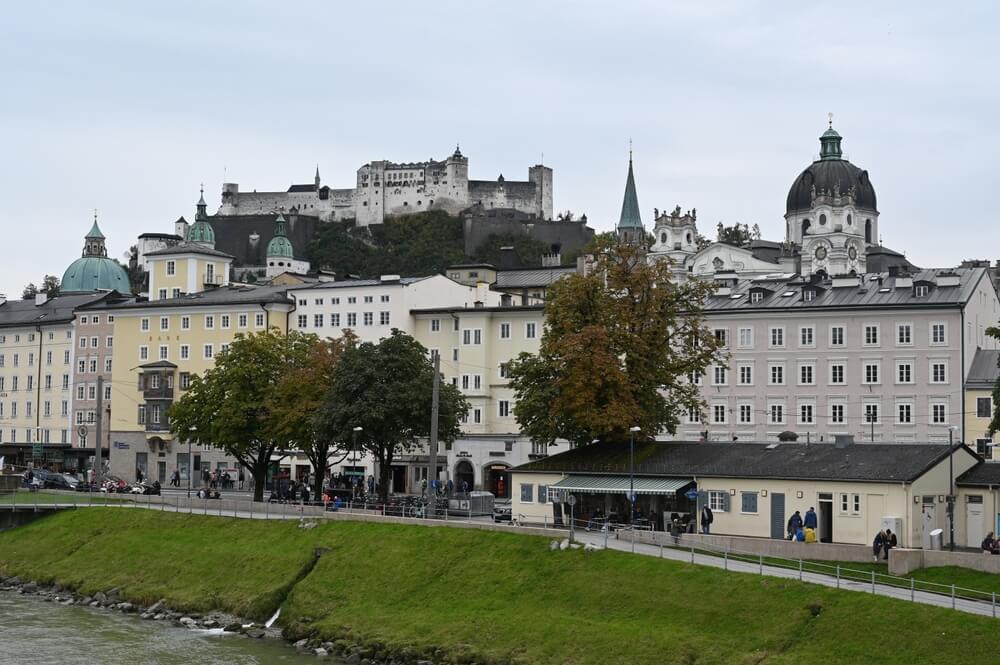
pixel 830 119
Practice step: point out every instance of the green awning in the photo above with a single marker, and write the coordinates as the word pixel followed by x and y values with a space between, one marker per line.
pixel 614 484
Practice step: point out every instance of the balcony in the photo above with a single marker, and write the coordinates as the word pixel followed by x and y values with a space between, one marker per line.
pixel 212 279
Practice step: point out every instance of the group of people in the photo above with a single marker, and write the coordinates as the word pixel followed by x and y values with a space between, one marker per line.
pixel 290 491
pixel 991 544
pixel 803 528
pixel 884 541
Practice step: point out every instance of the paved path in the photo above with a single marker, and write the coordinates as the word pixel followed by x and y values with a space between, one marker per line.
pixel 288 511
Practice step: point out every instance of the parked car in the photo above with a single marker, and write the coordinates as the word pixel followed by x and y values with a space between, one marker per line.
pixel 60 481
pixel 501 512
pixel 38 477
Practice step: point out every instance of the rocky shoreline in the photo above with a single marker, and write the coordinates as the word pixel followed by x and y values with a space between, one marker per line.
pixel 349 651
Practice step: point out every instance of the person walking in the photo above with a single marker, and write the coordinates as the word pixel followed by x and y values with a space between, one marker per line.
pixel 794 524
pixel 706 519
pixel 890 542
pixel 989 543
pixel 810 520
pixel 878 544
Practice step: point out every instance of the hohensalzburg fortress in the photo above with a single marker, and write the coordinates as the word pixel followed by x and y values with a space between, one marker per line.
pixel 386 188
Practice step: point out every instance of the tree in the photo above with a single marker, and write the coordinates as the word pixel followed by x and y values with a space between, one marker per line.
pixel 299 396
pixel 386 389
pixel 230 405
pixel 739 235
pixel 528 250
pixel 50 287
pixel 618 347
pixel 30 291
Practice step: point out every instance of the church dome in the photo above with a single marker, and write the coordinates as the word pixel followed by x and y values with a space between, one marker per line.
pixel 280 245
pixel 829 174
pixel 201 232
pixel 94 271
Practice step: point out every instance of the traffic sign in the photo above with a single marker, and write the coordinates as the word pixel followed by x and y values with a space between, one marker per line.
pixel 571 500
pixel 36 450
pixel 82 431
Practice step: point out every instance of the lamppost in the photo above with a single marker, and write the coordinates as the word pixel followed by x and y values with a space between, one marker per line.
pixel 354 446
pixel 631 471
pixel 951 487
pixel 190 464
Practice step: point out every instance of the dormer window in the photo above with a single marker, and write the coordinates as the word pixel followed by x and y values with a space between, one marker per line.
pixel 756 296
pixel 809 295
pixel 920 291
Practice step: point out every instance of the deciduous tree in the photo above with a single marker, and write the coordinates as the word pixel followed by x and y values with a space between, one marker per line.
pixel 618 347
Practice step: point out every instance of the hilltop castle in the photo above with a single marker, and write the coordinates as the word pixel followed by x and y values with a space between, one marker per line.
pixel 386 188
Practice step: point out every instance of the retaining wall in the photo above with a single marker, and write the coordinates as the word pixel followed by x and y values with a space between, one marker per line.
pixel 904 561
pixel 759 546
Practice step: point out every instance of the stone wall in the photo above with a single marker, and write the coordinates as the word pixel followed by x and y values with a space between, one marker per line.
pixel 568 236
pixel 757 546
pixel 904 561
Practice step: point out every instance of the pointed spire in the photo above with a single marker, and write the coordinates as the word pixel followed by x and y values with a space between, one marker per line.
pixel 317 176
pixel 279 225
pixel 95 230
pixel 630 218
pixel 201 213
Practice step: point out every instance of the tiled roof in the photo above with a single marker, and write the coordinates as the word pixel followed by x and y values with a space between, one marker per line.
pixel 188 248
pixel 531 277
pixel 223 295
pixel 56 310
pixel 348 283
pixel 984 475
pixel 984 371
pixel 870 462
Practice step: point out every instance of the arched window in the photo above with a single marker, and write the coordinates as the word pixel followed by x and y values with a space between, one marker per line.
pixel 805 226
pixel 849 220
pixel 688 237
pixel 663 237
pixel 868 231
pixel 822 220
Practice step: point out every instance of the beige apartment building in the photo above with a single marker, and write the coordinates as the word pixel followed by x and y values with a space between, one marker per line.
pixel 883 357
pixel 979 383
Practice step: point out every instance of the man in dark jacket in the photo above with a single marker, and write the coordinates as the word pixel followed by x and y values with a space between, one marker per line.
pixel 810 521
pixel 890 542
pixel 706 519
pixel 794 524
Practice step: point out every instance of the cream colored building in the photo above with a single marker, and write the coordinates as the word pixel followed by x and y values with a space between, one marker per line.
pixel 979 402
pixel 186 268
pixel 753 488
pixel 158 346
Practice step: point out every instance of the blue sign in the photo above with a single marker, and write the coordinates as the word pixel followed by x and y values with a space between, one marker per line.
pixel 692 494
pixel 632 497
pixel 121 445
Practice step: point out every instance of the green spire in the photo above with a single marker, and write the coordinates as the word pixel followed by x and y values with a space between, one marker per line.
pixel 630 205
pixel 201 214
pixel 280 245
pixel 95 231
pixel 830 143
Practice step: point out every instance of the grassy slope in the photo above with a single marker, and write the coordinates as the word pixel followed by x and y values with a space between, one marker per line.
pixel 504 593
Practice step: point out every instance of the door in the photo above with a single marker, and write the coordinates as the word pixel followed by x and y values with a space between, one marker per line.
pixel 928 520
pixel 974 526
pixel 825 520
pixel 777 515
pixel 875 511
pixel 161 472
pixel 140 464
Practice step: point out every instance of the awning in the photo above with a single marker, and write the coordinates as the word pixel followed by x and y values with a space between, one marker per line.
pixel 614 484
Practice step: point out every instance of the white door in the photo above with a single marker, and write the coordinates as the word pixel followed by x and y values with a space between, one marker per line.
pixel 975 527
pixel 929 524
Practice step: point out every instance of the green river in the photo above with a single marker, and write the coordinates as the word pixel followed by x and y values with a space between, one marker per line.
pixel 36 632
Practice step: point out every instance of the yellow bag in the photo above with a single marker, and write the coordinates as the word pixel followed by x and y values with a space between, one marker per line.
pixel 810 535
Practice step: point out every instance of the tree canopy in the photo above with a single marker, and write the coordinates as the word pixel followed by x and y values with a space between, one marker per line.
pixel 386 390
pixel 617 351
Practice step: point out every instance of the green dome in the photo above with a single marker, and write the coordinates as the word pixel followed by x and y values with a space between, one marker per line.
pixel 201 232
pixel 280 245
pixel 95 273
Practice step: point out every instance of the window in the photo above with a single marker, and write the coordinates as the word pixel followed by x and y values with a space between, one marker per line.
pixel 317 320
pixel 836 413
pixel 856 504
pixel 837 373
pixel 369 299
pixel 142 414
pixel 477 416
pixel 185 351
pixel 65 358
pixel 527 493
pixel 48 382
pixel 777 337
pixel 318 301
pixel 164 323
pixel 939 414
pixel 746 375
pixel 209 351
pixel 504 331
pixel 806 414
pixel 807 336
pixel 352 319
pixel 384 299
pixel 466 381
pixel 984 407
pixel 369 318
pixel 83 342
pixel 504 371
pixel 694 378
pixel 144 324
pixel 107 364
pixel 720 376
pixel 80 392
pixel 807 375
pixel 920 290
pixel 175 292
pixel 163 352
pixel 156 414
pixel 722 336
pixel 258 320
pixel 154 381
pixel 109 341
pixel 224 320
pixel 983 446
pixel 171 267
pixel 748 502
pixel 143 353
pixel 756 296
pixel 503 408
pixel 530 329
pixel 717 500
pixel 241 320
pixel 746 414
pixel 871 335
pixel 454 324
pixel 185 323
pixel 209 322
pixel 303 320
pixel 185 380
pixel 477 381
pixel 871 413
pixel 65 382
pixel 719 413
pixel 938 336
pixel 746 338
pixel 383 318
pixel 871 372
pixel 335 320
pixel 904 334
pixel 435 325
pixel 939 372
pixel 904 372
pixel 472 336
pixel 809 295
pixel 904 413
pixel 777 374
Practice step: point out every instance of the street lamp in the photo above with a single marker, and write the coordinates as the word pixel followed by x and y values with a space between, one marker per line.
pixel 354 446
pixel 631 470
pixel 951 487
pixel 190 459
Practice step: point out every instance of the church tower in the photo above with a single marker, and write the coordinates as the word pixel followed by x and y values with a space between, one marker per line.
pixel 630 230
pixel 201 232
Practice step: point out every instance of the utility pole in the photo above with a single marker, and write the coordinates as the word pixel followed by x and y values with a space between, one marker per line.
pixel 432 453
pixel 98 433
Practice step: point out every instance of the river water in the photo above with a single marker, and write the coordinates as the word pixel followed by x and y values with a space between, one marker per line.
pixel 36 632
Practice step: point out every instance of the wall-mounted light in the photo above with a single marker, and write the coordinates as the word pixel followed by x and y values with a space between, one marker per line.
pixel 940 498
pixel 916 499
pixel 763 492
pixel 798 495
pixel 732 492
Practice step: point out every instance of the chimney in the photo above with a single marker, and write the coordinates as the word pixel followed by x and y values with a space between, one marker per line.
pixel 509 258
pixel 551 260
pixel 843 440
pixel 41 299
pixel 3 298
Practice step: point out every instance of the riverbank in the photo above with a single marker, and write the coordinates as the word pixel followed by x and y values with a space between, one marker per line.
pixel 453 595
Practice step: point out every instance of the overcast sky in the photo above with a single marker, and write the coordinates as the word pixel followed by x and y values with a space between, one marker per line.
pixel 127 107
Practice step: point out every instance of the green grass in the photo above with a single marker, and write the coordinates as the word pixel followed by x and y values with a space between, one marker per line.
pixel 25 497
pixel 494 597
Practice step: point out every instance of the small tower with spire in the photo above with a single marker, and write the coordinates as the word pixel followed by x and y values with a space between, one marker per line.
pixel 201 231
pixel 630 229
pixel 93 242
pixel 317 177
